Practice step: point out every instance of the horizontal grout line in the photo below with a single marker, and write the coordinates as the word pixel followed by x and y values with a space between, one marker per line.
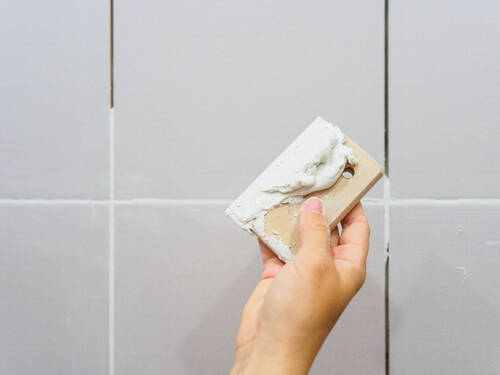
pixel 174 201
pixel 206 201
pixel 34 201
pixel 375 201
pixel 450 201
pixel 142 201
pixel 139 201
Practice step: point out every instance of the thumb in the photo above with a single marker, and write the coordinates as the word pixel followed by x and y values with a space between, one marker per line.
pixel 314 232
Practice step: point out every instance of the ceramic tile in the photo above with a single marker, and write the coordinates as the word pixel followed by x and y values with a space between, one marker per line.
pixel 207 95
pixel 444 83
pixel 444 289
pixel 53 289
pixel 54 90
pixel 183 274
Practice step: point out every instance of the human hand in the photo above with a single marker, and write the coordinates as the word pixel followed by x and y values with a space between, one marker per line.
pixel 295 305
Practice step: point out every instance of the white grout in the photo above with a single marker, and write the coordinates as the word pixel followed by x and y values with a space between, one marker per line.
pixel 458 201
pixel 387 202
pixel 387 244
pixel 184 201
pixel 111 270
pixel 202 201
pixel 372 201
pixel 143 201
pixel 43 201
pixel 112 154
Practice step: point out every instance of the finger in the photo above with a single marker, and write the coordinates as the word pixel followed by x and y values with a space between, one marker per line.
pixel 250 315
pixel 355 228
pixel 265 252
pixel 272 265
pixel 354 241
pixel 313 229
pixel 334 237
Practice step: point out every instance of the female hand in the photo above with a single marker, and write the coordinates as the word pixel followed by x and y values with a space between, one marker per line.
pixel 295 305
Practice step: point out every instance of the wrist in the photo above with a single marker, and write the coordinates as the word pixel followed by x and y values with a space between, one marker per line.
pixel 262 359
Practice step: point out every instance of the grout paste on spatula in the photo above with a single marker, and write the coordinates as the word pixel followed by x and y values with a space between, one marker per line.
pixel 313 162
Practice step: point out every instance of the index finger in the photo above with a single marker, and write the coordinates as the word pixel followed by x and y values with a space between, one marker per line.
pixel 355 228
pixel 266 253
pixel 272 265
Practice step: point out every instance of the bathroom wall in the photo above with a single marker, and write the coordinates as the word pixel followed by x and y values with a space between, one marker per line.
pixel 115 254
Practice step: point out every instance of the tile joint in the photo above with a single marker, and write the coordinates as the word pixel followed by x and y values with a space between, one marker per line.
pixel 187 201
pixel 111 269
pixel 387 189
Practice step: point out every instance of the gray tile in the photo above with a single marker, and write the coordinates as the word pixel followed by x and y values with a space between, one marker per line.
pixel 54 95
pixel 208 95
pixel 444 84
pixel 53 289
pixel 183 274
pixel 444 289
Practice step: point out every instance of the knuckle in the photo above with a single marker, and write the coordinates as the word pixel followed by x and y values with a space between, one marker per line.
pixel 357 276
pixel 320 265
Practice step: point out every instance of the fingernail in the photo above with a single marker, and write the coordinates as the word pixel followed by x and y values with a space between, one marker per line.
pixel 313 205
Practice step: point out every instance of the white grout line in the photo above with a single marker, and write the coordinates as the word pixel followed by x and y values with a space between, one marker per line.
pixel 423 202
pixel 202 201
pixel 112 154
pixel 187 201
pixel 387 244
pixel 142 201
pixel 111 291
pixel 387 200
pixel 372 201
pixel 111 270
pixel 42 201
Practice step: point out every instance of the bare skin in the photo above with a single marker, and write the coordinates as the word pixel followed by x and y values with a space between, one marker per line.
pixel 295 305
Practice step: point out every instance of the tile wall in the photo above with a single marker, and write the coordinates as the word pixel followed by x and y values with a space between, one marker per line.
pixel 115 254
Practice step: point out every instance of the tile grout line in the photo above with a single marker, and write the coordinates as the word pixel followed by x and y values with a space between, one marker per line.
pixel 111 207
pixel 193 201
pixel 111 54
pixel 387 242
pixel 387 191
pixel 111 275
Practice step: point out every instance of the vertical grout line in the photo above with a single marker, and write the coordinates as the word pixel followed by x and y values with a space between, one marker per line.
pixel 387 190
pixel 111 270
pixel 386 87
pixel 387 244
pixel 111 275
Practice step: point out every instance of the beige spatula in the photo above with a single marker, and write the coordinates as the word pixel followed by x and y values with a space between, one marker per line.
pixel 338 200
